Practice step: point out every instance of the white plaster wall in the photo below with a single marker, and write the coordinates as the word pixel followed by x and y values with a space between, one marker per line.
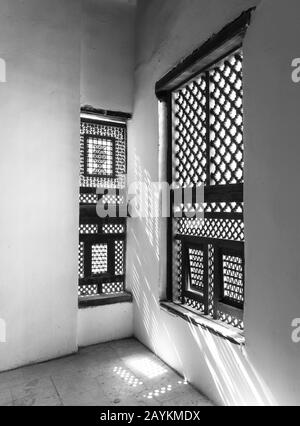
pixel 107 54
pixel 267 371
pixel 39 110
pixel 110 322
pixel 107 62
pixel 271 195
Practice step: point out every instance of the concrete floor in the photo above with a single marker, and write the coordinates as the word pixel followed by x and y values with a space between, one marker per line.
pixel 117 373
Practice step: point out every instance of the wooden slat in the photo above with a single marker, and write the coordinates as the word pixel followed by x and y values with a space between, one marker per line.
pixel 214 49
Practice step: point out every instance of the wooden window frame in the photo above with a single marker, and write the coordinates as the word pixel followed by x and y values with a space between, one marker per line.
pixel 218 47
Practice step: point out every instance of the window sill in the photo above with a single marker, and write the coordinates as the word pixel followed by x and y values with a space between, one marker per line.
pixel 93 301
pixel 216 327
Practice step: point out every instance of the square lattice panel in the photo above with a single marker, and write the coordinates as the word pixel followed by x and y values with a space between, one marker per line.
pixel 88 290
pixel 226 122
pixel 190 137
pixel 99 259
pixel 233 278
pixel 99 157
pixel 196 264
pixel 113 288
pixel 119 257
pixel 81 260
pixel 102 159
pixel 216 128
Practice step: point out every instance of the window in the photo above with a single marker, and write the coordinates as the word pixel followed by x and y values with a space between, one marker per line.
pixel 102 241
pixel 99 157
pixel 204 97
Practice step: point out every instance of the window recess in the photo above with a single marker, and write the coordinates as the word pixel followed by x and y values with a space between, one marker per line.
pixel 102 241
pixel 204 99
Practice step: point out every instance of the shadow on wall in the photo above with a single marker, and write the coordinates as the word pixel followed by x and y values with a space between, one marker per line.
pixel 188 348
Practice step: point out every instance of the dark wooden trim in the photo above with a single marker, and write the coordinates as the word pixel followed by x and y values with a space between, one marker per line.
pixel 96 220
pixel 217 193
pixel 94 301
pixel 102 278
pixel 87 109
pixel 101 238
pixel 211 215
pixel 224 193
pixel 227 40
pixel 217 280
pixel 89 212
pixel 87 190
pixel 111 254
pixel 207 136
pixel 169 289
pixel 189 239
pixel 184 272
pixel 100 122
pixel 228 216
pixel 87 257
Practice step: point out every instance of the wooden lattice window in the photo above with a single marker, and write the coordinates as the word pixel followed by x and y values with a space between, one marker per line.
pixel 99 156
pixel 103 155
pixel 204 98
